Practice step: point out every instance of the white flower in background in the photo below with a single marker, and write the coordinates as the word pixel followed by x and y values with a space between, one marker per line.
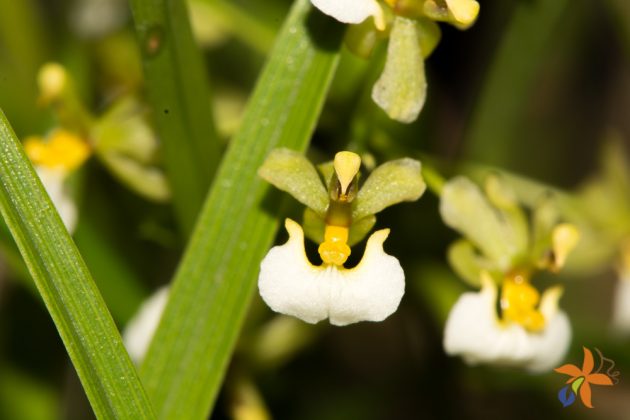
pixel 291 285
pixel 141 328
pixel 475 332
pixel 621 304
pixel 413 33
pixel 96 18
pixel 501 247
pixel 352 11
pixel 55 159
pixel 336 219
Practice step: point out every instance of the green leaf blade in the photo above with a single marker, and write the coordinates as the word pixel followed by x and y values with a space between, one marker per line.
pixel 217 276
pixel 82 319
pixel 178 90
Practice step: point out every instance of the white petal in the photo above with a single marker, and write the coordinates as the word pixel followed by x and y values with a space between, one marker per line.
pixel 53 181
pixel 349 11
pixel 96 18
pixel 291 285
pixel 621 307
pixel 474 332
pixel 141 328
pixel 372 290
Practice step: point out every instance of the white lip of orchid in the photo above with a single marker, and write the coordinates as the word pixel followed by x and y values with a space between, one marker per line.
pixel 474 332
pixel 352 11
pixel 621 306
pixel 140 329
pixel 53 180
pixel 291 285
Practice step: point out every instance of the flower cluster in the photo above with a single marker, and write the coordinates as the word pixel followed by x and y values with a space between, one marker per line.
pixel 501 249
pixel 121 139
pixel 413 34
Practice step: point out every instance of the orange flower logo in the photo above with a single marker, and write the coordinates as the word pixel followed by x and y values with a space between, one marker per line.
pixel 580 380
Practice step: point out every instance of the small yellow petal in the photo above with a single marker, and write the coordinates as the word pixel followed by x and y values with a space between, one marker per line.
pixel 464 11
pixel 565 238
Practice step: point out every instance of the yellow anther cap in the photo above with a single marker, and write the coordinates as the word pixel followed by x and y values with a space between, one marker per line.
pixel 565 237
pixel 347 165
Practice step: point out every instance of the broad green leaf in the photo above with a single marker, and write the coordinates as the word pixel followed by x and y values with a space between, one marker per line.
pixel 390 183
pixel 82 319
pixel 185 364
pixel 402 88
pixel 180 97
pixel 464 208
pixel 292 172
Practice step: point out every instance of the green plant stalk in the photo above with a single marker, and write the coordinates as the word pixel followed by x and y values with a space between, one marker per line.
pixel 66 286
pixel 186 362
pixel 501 103
pixel 179 93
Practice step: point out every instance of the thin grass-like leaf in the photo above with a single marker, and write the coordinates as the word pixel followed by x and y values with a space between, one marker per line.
pixel 185 365
pixel 510 80
pixel 178 90
pixel 67 288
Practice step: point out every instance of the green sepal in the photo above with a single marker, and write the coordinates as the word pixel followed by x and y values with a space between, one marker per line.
pixel 291 172
pixel 360 228
pixel 361 39
pixel 429 35
pixel 468 263
pixel 504 198
pixel 401 89
pixel 315 225
pixel 327 170
pixel 390 183
pixel 464 208
pixel 127 146
pixel 545 216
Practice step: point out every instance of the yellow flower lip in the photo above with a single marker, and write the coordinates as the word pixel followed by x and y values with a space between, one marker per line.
pixel 335 250
pixel 346 165
pixel 63 150
pixel 519 301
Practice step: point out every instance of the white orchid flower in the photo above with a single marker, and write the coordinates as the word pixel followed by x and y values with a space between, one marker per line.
pixel 54 161
pixel 291 285
pixel 141 328
pixel 475 332
pixel 352 11
pixel 339 214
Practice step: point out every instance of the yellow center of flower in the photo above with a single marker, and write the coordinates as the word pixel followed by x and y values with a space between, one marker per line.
pixel 335 250
pixel 519 302
pixel 63 150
